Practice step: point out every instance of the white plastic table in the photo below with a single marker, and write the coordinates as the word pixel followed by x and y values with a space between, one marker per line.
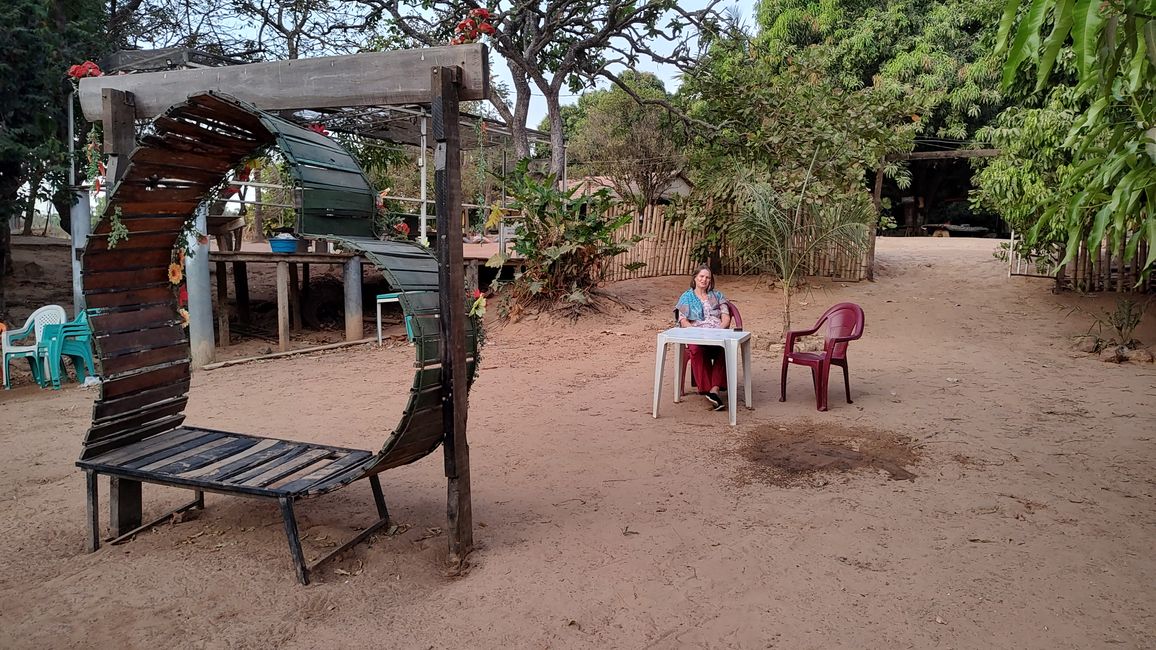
pixel 729 340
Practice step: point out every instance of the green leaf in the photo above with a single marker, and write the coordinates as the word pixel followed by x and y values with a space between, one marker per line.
pixel 1087 23
pixel 1010 9
pixel 1061 27
pixel 1027 42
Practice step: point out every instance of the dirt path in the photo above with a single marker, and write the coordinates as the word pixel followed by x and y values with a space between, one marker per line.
pixel 1028 525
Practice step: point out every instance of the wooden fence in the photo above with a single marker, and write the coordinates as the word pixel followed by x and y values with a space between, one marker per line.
pixel 1104 269
pixel 667 250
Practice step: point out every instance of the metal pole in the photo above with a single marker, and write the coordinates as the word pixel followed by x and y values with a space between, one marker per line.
pixel 80 216
pixel 421 163
pixel 354 321
pixel 200 292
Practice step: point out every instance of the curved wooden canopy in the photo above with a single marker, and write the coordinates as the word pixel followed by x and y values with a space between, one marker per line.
pixel 142 349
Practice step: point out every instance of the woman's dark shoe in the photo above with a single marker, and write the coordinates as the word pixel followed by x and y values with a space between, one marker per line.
pixel 716 401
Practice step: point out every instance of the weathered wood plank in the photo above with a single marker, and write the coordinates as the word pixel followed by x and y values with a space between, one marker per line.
pixel 325 473
pixel 119 279
pixel 144 447
pixel 368 79
pixel 97 447
pixel 116 365
pixel 97 257
pixel 248 461
pixel 131 321
pixel 309 457
pixel 167 451
pixel 132 421
pixel 260 445
pixel 115 345
pixel 135 296
pixel 122 386
pixel 211 456
pixel 109 409
pixel 187 453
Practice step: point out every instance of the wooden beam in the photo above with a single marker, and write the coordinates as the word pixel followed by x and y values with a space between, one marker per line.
pixel 943 155
pixel 118 115
pixel 369 79
pixel 452 294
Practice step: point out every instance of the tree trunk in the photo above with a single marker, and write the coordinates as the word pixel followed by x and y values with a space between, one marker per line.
pixel 10 181
pixel 786 310
pixel 557 135
pixel 30 208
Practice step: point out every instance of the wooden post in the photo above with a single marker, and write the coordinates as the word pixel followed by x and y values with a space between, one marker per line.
pixel 354 321
pixel 124 505
pixel 472 280
pixel 241 290
pixel 294 299
pixel 451 286
pixel 282 306
pixel 119 109
pixel 223 304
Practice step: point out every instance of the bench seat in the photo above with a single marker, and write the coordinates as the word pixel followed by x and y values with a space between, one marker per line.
pixel 234 463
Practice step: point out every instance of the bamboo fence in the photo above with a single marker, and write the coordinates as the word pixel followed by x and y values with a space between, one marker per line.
pixel 1106 269
pixel 667 249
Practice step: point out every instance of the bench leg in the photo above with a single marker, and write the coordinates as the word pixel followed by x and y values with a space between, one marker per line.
pixel 93 512
pixel 124 505
pixel 379 499
pixel 198 500
pixel 294 540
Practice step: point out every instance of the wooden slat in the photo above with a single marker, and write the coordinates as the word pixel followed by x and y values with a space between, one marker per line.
pixel 291 451
pixel 93 448
pixel 110 409
pixel 146 318
pixel 138 193
pixel 336 467
pixel 217 454
pixel 151 156
pixel 127 385
pixel 336 479
pixel 202 134
pixel 147 295
pixel 247 462
pixel 97 257
pixel 212 107
pixel 309 457
pixel 140 240
pixel 170 450
pixel 129 342
pixel 188 453
pixel 137 360
pixel 259 445
pixel 145 447
pixel 104 280
pixel 368 79
pixel 140 418
pixel 158 206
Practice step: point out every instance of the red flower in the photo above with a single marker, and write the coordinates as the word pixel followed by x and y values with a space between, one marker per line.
pixel 480 13
pixel 403 228
pixel 183 296
pixel 317 128
pixel 487 28
pixel 477 293
pixel 86 69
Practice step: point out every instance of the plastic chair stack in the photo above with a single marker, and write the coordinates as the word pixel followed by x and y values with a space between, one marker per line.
pixel 24 343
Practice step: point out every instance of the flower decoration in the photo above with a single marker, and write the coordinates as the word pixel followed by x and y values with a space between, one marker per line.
pixel 318 128
pixel 86 69
pixel 176 274
pixel 478 308
pixel 403 228
pixel 184 317
pixel 473 27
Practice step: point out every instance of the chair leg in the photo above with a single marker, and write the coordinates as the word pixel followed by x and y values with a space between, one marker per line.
pixel 378 498
pixel 822 373
pixel 783 382
pixel 847 382
pixel 93 512
pixel 294 540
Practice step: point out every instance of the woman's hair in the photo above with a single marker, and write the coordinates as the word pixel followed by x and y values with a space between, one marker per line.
pixel 700 269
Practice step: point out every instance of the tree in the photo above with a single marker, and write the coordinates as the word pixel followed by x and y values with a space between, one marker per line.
pixel 775 241
pixel 772 122
pixel 560 44
pixel 629 143
pixel 1109 191
pixel 40 40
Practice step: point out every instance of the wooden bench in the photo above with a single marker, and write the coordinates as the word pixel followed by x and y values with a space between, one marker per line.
pixel 138 434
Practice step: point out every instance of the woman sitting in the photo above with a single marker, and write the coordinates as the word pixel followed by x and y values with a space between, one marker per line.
pixel 703 306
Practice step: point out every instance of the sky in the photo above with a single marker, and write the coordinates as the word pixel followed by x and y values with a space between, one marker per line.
pixel 668 74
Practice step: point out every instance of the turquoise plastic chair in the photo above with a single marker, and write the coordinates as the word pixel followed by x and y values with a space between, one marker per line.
pixel 15 344
pixel 73 340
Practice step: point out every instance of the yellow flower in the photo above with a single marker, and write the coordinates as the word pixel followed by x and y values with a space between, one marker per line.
pixel 176 273
pixel 184 317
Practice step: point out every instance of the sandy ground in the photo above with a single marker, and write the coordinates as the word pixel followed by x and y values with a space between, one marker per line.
pixel 1028 524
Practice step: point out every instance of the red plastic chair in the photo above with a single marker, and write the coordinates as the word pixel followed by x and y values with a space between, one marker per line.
pixel 844 324
pixel 736 325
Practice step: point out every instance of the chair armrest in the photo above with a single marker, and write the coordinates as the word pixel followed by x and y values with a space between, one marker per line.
pixel 9 337
pixel 794 334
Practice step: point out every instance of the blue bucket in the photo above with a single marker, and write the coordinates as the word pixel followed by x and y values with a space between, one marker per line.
pixel 283 245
